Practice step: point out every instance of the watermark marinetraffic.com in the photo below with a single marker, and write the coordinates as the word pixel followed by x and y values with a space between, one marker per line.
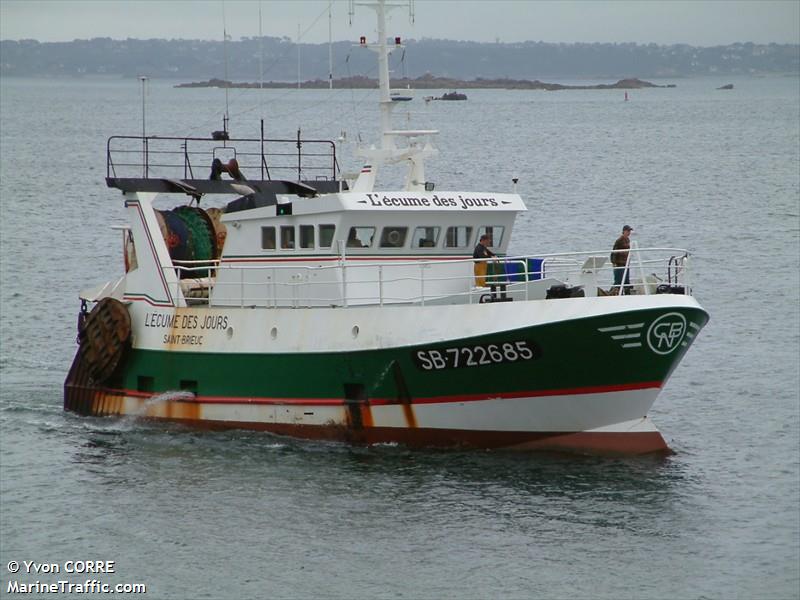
pixel 88 568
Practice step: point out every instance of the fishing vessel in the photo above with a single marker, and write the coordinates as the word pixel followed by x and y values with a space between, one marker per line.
pixel 265 290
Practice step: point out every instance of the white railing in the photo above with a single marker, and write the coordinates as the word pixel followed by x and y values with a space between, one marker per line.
pixel 349 283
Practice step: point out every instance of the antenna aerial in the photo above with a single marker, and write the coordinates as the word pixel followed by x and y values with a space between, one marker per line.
pixel 143 79
pixel 298 55
pixel 226 118
pixel 260 65
pixel 330 44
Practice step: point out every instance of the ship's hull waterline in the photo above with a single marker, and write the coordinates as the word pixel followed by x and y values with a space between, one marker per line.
pixel 527 375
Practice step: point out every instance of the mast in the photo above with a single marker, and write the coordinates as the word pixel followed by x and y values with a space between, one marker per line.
pixel 330 45
pixel 418 145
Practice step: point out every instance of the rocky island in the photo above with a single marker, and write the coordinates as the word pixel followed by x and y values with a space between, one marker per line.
pixel 431 82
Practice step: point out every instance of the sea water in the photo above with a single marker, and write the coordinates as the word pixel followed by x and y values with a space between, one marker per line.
pixel 237 514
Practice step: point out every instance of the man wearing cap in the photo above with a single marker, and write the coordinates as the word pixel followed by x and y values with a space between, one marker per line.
pixel 481 253
pixel 619 258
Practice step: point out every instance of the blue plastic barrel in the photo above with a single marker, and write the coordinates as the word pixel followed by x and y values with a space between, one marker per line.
pixel 515 270
pixel 535 268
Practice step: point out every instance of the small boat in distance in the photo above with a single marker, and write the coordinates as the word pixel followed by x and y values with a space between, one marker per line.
pixel 447 96
pixel 453 96
pixel 401 95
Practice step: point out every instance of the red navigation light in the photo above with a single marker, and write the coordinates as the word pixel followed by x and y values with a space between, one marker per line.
pixel 363 40
pixel 397 41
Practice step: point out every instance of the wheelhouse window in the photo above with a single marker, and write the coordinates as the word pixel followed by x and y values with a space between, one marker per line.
pixel 495 233
pixel 268 238
pixel 326 233
pixel 287 237
pixel 393 237
pixel 360 237
pixel 306 236
pixel 425 237
pixel 458 237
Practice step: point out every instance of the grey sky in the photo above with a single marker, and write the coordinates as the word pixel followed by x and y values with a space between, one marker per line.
pixel 696 22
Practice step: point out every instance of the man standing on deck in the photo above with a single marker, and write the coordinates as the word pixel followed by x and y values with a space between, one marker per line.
pixel 619 258
pixel 482 252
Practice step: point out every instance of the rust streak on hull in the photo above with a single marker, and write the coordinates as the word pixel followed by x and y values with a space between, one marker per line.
pixel 604 443
pixel 84 397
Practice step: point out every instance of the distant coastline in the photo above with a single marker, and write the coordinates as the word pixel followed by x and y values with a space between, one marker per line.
pixel 521 64
pixel 428 82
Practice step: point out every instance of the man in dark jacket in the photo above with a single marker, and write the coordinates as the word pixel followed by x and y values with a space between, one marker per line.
pixel 482 252
pixel 619 258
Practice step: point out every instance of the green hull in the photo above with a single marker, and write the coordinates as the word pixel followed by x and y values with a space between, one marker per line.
pixel 573 355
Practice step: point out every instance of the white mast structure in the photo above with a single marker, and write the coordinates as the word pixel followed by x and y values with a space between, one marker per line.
pixel 418 144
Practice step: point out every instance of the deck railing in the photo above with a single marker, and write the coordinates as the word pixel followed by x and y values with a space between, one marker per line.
pixel 349 283
pixel 191 158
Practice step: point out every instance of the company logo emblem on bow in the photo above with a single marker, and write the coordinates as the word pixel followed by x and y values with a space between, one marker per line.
pixel 666 333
